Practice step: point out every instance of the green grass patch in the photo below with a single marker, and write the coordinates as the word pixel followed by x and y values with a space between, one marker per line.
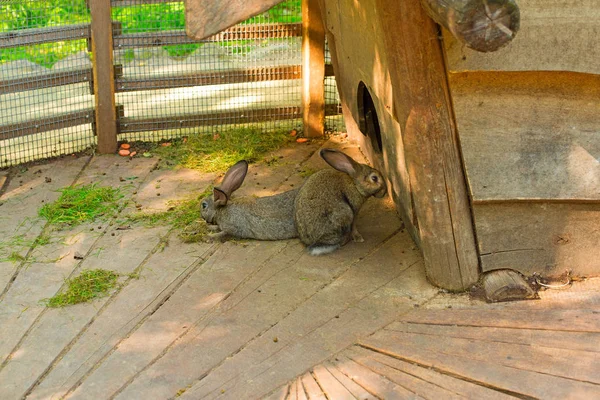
pixel 80 204
pixel 183 215
pixel 89 285
pixel 216 153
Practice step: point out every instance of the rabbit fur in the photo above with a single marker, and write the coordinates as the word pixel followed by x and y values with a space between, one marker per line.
pixel 327 204
pixel 263 218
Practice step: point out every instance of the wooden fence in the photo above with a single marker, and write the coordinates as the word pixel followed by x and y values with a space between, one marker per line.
pixel 106 78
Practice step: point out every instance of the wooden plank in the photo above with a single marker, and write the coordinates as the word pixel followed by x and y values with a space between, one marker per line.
pixel 206 17
pixel 456 385
pixel 258 74
pixel 358 391
pixel 279 394
pixel 293 395
pixel 416 385
pixel 301 393
pixel 480 25
pixel 376 384
pixel 554 36
pixel 547 238
pixel 543 127
pixel 422 107
pixel 228 117
pixel 28 37
pixel 332 388
pixel 238 32
pixel 44 81
pixel 104 76
pixel 312 388
pixel 492 371
pixel 313 69
pixel 58 121
pixel 550 320
pixel 583 341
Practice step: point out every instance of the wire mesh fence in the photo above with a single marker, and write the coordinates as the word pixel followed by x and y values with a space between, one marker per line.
pixel 167 85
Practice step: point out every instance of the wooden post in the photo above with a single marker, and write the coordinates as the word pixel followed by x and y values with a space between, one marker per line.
pixel 104 79
pixel 422 107
pixel 313 69
pixel 483 25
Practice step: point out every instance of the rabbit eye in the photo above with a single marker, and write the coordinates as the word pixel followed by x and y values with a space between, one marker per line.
pixel 375 178
pixel 204 205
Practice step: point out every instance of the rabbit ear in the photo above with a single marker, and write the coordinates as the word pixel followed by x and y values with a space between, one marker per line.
pixel 340 161
pixel 234 178
pixel 219 197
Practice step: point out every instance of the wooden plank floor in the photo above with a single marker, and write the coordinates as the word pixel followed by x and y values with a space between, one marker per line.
pixel 188 320
pixel 455 348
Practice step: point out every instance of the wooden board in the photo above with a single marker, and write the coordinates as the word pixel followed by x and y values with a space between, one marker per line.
pixel 529 135
pixel 399 61
pixel 554 36
pixel 547 238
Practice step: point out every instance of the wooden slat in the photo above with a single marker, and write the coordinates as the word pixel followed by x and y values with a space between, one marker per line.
pixel 485 368
pixel 416 385
pixel 104 76
pixel 549 361
pixel 238 32
pixel 583 341
pixel 560 35
pixel 456 385
pixel 43 81
pixel 549 319
pixel 47 124
pixel 547 238
pixel 529 135
pixel 358 391
pixel 258 74
pixel 27 37
pixel 313 69
pixel 227 117
pixel 206 17
pixel 379 385
pixel 331 386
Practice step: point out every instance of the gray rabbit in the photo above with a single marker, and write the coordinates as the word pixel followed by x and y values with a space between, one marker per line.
pixel 264 218
pixel 327 204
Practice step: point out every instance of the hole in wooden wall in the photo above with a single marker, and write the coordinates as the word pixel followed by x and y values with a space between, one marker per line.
pixel 367 117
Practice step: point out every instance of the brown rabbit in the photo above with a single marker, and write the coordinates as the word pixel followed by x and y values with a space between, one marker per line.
pixel 264 218
pixel 327 204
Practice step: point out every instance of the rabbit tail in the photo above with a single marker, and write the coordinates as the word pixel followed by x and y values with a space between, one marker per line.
pixel 321 249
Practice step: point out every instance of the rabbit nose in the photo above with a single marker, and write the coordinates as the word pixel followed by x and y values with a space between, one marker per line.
pixel 381 192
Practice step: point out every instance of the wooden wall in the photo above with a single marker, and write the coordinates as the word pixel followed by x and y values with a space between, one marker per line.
pixel 528 118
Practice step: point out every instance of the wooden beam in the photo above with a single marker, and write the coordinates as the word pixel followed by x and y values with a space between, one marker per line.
pixel 28 37
pixel 238 32
pixel 421 104
pixel 104 77
pixel 259 74
pixel 43 81
pixel 59 121
pixel 313 69
pixel 204 18
pixel 483 25
pixel 127 3
pixel 217 118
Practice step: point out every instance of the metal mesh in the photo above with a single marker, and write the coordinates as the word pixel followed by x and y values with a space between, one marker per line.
pixel 167 85
pixel 46 108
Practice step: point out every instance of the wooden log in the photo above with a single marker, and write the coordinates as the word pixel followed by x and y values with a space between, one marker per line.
pixel 313 69
pixel 206 17
pixel 483 25
pixel 506 285
pixel 104 76
pixel 422 106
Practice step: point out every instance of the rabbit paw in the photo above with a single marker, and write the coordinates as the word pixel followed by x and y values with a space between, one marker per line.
pixel 213 228
pixel 357 237
pixel 219 236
